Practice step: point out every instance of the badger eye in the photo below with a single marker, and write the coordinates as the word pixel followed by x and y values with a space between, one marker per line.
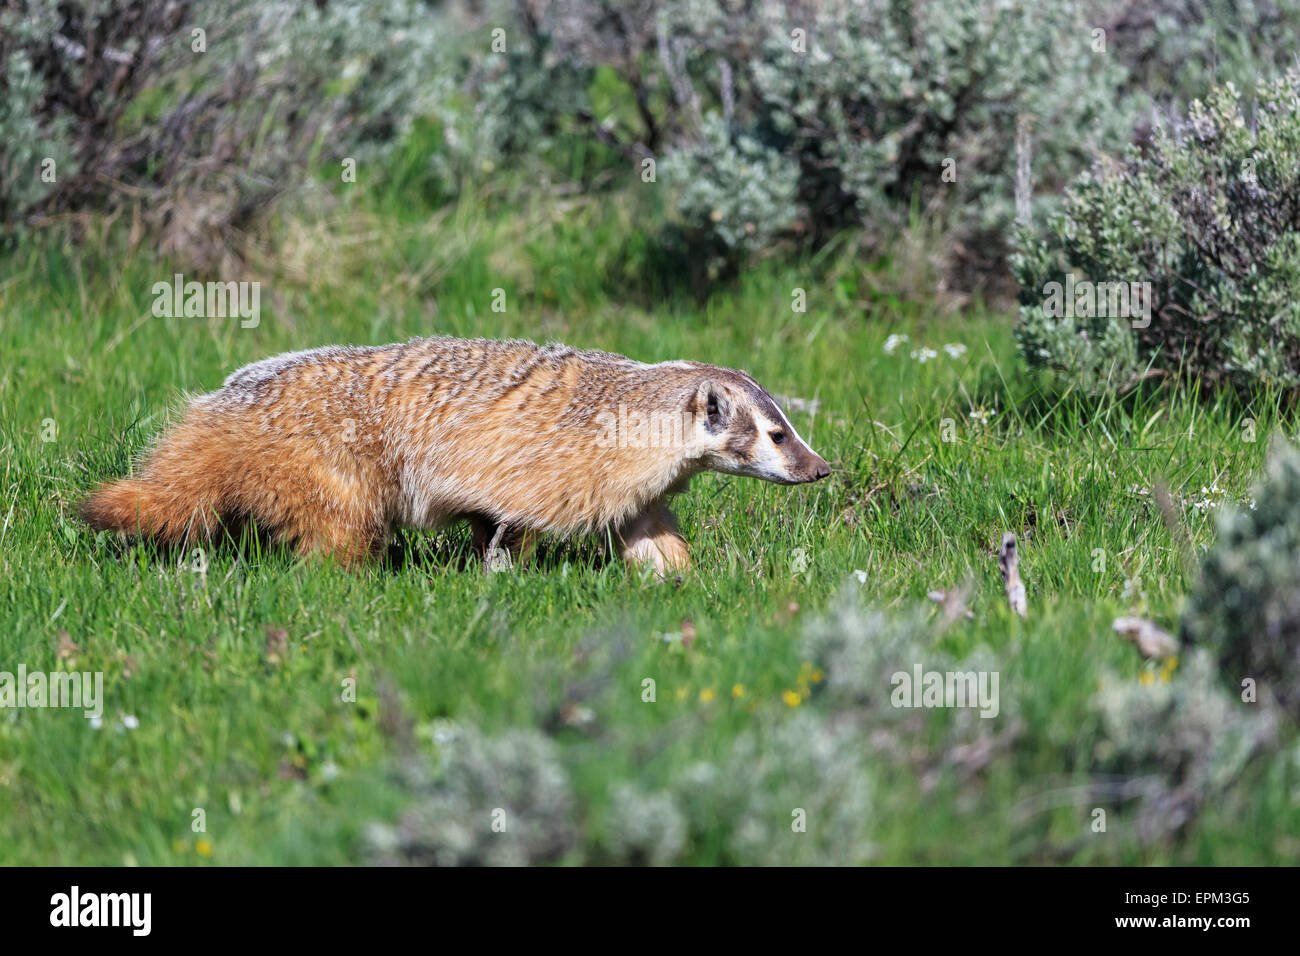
pixel 777 437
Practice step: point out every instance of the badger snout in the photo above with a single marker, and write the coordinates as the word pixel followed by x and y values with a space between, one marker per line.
pixel 816 469
pixel 808 467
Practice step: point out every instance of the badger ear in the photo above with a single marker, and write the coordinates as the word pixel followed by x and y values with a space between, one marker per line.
pixel 713 406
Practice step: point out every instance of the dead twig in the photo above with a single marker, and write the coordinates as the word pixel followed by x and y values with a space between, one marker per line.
pixel 953 603
pixel 496 558
pixel 1150 640
pixel 1009 562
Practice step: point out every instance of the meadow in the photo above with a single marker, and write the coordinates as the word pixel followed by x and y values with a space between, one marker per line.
pixel 227 674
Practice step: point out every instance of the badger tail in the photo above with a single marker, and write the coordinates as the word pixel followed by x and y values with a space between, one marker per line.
pixel 118 506
pixel 137 507
pixel 179 495
pixel 141 507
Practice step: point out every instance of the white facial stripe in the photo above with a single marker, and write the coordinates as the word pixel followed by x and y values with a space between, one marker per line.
pixel 797 436
pixel 785 423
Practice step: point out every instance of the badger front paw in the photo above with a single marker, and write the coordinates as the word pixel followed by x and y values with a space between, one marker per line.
pixel 653 538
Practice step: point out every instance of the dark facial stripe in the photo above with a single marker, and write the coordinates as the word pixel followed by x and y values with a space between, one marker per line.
pixel 762 401
pixel 743 433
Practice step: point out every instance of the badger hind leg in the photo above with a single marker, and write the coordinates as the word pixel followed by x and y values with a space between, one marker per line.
pixel 653 538
pixel 326 509
pixel 347 545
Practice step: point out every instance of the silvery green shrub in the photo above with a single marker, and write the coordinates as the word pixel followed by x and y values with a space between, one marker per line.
pixel 890 96
pixel 1176 50
pixel 1208 218
pixel 794 792
pixel 28 142
pixel 745 193
pixel 643 829
pixel 792 120
pixel 67 74
pixel 208 128
pixel 1174 744
pixel 519 101
pixel 862 649
pixel 1246 605
pixel 491 801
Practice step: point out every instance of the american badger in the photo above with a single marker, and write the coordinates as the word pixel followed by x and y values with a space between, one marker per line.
pixel 333 447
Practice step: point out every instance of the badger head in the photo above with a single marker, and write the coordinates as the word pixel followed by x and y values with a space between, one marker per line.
pixel 739 430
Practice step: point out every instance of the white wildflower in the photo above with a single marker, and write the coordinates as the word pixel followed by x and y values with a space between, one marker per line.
pixel 893 342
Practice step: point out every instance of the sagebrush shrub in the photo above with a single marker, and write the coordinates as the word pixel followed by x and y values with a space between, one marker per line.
pixel 67 75
pixel 803 763
pixel 513 781
pixel 1246 605
pixel 1209 216
pixel 804 783
pixel 1176 50
pixel 643 829
pixel 202 131
pixel 1173 742
pixel 896 106
pixel 790 121
pixel 738 196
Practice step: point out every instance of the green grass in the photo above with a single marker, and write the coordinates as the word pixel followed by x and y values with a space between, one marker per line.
pixel 287 772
